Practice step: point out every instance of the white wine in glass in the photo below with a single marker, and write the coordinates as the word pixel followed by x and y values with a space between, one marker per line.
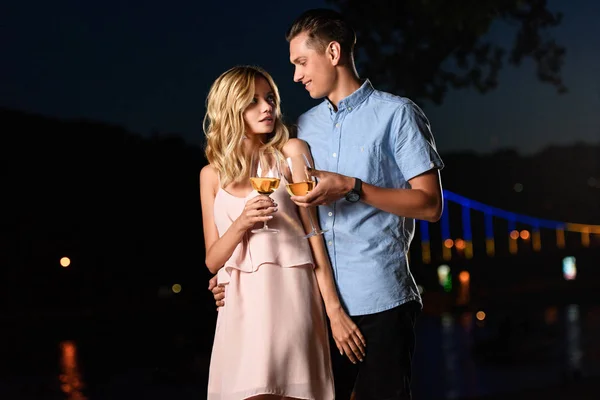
pixel 300 184
pixel 265 175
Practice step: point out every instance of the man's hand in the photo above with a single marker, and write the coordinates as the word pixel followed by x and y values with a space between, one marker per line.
pixel 218 292
pixel 330 187
pixel 348 338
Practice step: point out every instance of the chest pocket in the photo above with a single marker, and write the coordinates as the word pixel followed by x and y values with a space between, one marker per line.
pixel 363 161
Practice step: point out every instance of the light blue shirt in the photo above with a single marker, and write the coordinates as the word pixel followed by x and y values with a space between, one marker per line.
pixel 384 140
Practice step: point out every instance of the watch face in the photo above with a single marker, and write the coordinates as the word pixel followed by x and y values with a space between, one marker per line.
pixel 352 196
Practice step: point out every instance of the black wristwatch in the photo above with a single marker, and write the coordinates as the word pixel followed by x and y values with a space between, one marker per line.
pixel 354 194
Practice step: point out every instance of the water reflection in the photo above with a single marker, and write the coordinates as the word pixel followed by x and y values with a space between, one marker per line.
pixel 70 378
pixel 459 355
pixel 551 315
pixel 573 341
pixel 450 356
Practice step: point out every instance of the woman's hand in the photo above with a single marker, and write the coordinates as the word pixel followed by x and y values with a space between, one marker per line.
pixel 347 336
pixel 257 209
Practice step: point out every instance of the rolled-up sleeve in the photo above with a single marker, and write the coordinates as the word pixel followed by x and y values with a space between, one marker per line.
pixel 415 149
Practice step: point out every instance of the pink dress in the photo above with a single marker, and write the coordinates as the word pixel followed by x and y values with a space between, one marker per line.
pixel 271 335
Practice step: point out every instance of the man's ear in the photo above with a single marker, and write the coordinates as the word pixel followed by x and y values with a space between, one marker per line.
pixel 334 52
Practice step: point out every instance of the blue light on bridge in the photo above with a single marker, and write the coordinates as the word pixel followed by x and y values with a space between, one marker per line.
pixel 445 220
pixel 466 220
pixel 506 215
pixel 489 225
pixel 512 220
pixel 424 231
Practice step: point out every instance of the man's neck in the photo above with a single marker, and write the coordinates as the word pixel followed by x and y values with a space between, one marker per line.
pixel 347 84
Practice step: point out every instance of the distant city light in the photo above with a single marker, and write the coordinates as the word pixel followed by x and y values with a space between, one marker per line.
pixel 569 268
pixel 460 244
pixel 176 288
pixel 480 315
pixel 448 243
pixel 518 187
pixel 444 277
pixel 464 289
pixel 514 235
pixel 524 234
pixel 65 262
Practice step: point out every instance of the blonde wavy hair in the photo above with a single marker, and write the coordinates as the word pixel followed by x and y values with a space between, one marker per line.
pixel 224 126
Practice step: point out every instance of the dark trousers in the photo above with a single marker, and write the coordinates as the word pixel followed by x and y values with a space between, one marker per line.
pixel 385 372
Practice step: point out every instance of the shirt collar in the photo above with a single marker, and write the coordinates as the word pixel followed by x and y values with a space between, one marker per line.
pixel 354 99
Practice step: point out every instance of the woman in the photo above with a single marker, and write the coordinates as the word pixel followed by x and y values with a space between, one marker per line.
pixel 271 338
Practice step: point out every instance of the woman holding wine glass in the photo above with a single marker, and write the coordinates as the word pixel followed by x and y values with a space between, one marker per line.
pixel 271 338
pixel 265 175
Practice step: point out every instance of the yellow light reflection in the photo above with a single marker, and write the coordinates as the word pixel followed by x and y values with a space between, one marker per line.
pixel 560 238
pixel 176 288
pixel 480 315
pixel 469 249
pixel 70 377
pixel 585 238
pixel 65 262
pixel 446 253
pixel 464 291
pixel 426 252
pixel 537 240
pixel 512 242
pixel 490 247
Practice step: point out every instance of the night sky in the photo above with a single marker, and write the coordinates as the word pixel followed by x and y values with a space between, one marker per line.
pixel 148 66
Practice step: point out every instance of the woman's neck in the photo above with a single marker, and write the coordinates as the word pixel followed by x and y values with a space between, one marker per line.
pixel 253 142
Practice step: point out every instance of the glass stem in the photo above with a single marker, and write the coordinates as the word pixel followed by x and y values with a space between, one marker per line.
pixel 310 218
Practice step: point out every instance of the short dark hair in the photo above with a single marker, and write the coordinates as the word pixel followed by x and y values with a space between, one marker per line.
pixel 324 26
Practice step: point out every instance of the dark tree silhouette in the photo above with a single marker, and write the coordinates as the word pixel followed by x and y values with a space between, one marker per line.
pixel 420 48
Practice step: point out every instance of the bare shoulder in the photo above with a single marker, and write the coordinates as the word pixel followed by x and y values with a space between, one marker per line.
pixel 294 146
pixel 209 177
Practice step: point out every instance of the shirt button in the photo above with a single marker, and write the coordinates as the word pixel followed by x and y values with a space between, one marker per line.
pixel 334 154
pixel 431 164
pixel 329 243
pixel 330 213
pixel 349 108
pixel 337 125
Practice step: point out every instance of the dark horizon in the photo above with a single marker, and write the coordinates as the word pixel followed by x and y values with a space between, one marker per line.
pixel 150 71
pixel 177 135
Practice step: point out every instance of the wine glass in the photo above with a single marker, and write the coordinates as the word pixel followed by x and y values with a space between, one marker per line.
pixel 265 174
pixel 301 183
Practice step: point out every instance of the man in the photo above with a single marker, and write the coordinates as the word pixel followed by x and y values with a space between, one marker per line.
pixel 378 169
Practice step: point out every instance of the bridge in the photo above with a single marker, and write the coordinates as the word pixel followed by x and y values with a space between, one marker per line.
pixel 518 231
pixel 504 250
